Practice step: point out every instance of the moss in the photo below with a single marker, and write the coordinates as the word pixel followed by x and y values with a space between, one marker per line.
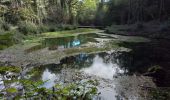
pixel 4 69
pixel 3 47
pixel 68 33
pixel 32 39
pixel 40 37
pixel 10 81
pixel 6 40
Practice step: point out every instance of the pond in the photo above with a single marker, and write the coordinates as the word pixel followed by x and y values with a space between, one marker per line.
pixel 61 43
pixel 121 74
pixel 115 71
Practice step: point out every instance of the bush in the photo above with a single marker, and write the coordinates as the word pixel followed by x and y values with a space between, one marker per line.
pixel 27 28
pixel 61 27
pixel 67 27
pixel 17 36
pixel 109 29
pixel 53 29
pixel 6 26
pixel 43 28
pixel 6 40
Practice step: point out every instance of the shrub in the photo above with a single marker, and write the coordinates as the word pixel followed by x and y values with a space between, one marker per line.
pixel 67 27
pixel 109 29
pixel 52 29
pixel 43 28
pixel 6 26
pixel 6 40
pixel 27 28
pixel 17 36
pixel 1 28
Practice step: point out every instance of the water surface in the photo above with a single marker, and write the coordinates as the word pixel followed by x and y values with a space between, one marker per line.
pixel 119 73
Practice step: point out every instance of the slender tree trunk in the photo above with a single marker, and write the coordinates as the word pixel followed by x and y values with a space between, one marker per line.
pixel 130 11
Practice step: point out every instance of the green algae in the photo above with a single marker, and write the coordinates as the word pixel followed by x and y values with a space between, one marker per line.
pixel 40 37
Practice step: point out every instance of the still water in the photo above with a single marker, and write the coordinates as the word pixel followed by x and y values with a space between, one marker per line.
pixel 113 71
pixel 120 74
pixel 72 41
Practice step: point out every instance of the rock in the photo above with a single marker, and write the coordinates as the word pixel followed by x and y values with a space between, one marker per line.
pixel 158 73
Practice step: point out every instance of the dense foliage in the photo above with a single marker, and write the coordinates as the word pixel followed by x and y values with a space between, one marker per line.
pixel 131 11
pixel 82 12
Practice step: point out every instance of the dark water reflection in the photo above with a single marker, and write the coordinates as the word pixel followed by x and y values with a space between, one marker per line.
pixel 146 55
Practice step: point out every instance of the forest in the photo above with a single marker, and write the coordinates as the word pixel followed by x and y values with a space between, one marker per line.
pixel 85 49
pixel 81 12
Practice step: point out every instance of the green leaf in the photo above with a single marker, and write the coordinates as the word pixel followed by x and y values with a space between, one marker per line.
pixel 4 69
pixel 12 90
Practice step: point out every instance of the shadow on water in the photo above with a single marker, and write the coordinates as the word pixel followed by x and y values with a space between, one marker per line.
pixel 153 59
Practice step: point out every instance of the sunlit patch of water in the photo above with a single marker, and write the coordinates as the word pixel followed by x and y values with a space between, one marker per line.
pixel 49 77
pixel 102 69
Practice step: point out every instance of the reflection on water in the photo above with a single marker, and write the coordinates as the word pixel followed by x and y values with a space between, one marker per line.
pixel 103 70
pixel 49 77
pixel 61 43
pixel 102 65
pixel 72 41
pixel 110 69
pixel 119 71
